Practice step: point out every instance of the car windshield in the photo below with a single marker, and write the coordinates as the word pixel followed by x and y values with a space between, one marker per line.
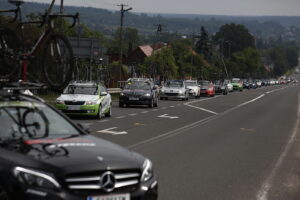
pixel 235 80
pixel 191 83
pixel 32 120
pixel 177 84
pixel 78 89
pixel 137 85
pixel 204 83
pixel 218 82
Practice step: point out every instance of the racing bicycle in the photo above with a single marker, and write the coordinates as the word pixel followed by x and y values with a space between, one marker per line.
pixel 56 52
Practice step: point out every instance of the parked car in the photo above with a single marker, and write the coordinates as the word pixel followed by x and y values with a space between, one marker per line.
pixel 174 89
pixel 220 87
pixel 139 91
pixel 229 85
pixel 44 155
pixel 237 84
pixel 258 83
pixel 207 88
pixel 85 98
pixel 194 88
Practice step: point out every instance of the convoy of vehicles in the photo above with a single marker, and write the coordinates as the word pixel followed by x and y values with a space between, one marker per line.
pixel 44 155
pixel 87 98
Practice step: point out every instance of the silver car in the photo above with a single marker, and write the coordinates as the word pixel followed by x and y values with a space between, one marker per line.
pixel 174 89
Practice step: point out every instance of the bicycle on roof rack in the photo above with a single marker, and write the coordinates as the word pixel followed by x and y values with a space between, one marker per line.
pixel 57 55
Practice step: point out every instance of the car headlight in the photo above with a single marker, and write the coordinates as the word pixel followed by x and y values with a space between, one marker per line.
pixel 59 102
pixel 147 170
pixel 91 102
pixel 162 91
pixel 180 92
pixel 122 94
pixel 147 95
pixel 35 178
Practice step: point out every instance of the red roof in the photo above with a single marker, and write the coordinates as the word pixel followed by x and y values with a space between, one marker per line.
pixel 146 49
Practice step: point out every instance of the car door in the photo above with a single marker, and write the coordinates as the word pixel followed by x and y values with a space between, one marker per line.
pixel 106 99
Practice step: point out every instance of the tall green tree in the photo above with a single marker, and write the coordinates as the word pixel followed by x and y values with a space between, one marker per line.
pixel 232 38
pixel 203 46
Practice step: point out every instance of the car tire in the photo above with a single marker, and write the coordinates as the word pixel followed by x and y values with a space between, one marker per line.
pixel 109 113
pixel 151 104
pixel 121 105
pixel 3 194
pixel 100 114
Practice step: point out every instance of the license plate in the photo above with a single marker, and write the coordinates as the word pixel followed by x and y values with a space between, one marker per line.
pixel 111 197
pixel 73 107
pixel 133 99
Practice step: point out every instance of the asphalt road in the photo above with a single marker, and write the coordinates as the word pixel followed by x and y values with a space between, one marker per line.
pixel 242 146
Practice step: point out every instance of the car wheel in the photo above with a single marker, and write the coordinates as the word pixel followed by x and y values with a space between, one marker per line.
pixel 3 194
pixel 109 113
pixel 100 114
pixel 121 105
pixel 151 104
pixel 156 102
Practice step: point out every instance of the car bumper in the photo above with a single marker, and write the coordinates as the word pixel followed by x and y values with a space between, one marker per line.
pixel 137 101
pixel 172 96
pixel 91 110
pixel 145 191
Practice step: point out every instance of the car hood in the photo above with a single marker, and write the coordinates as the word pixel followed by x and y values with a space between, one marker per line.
pixel 193 87
pixel 85 153
pixel 135 91
pixel 174 89
pixel 77 97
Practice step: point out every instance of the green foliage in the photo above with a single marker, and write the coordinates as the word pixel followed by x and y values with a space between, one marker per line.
pixel 203 46
pixel 283 57
pixel 161 64
pixel 233 38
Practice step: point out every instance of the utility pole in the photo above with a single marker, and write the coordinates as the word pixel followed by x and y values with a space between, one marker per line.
pixel 121 34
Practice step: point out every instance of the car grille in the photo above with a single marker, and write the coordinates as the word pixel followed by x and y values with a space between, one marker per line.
pixel 171 94
pixel 74 102
pixel 90 183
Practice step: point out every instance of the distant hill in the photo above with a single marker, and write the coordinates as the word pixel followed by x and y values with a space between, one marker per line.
pixel 107 21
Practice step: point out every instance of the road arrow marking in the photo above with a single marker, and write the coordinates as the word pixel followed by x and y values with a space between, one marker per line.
pixel 168 116
pixel 109 131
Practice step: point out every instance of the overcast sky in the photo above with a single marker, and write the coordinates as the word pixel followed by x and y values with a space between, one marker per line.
pixel 219 7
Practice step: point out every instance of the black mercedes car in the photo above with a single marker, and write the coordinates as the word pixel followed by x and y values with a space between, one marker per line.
pixel 44 155
pixel 139 91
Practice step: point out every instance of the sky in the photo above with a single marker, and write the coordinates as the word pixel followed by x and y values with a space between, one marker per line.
pixel 216 7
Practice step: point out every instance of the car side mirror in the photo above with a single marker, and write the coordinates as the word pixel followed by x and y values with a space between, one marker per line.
pixel 84 127
pixel 103 93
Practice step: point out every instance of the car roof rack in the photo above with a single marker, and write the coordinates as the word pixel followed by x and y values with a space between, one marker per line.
pixel 18 87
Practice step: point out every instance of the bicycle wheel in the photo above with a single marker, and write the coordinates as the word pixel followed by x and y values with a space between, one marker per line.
pixel 9 46
pixel 57 61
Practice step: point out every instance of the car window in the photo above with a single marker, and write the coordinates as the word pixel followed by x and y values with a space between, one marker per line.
pixel 191 83
pixel 174 84
pixel 137 85
pixel 21 119
pixel 76 89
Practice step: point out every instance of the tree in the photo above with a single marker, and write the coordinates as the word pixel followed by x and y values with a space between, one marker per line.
pixel 161 64
pixel 203 46
pixel 232 38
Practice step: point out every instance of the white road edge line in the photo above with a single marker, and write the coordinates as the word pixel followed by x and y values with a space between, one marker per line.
pixel 264 190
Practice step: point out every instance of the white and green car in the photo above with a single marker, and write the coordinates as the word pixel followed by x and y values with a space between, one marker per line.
pixel 85 99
